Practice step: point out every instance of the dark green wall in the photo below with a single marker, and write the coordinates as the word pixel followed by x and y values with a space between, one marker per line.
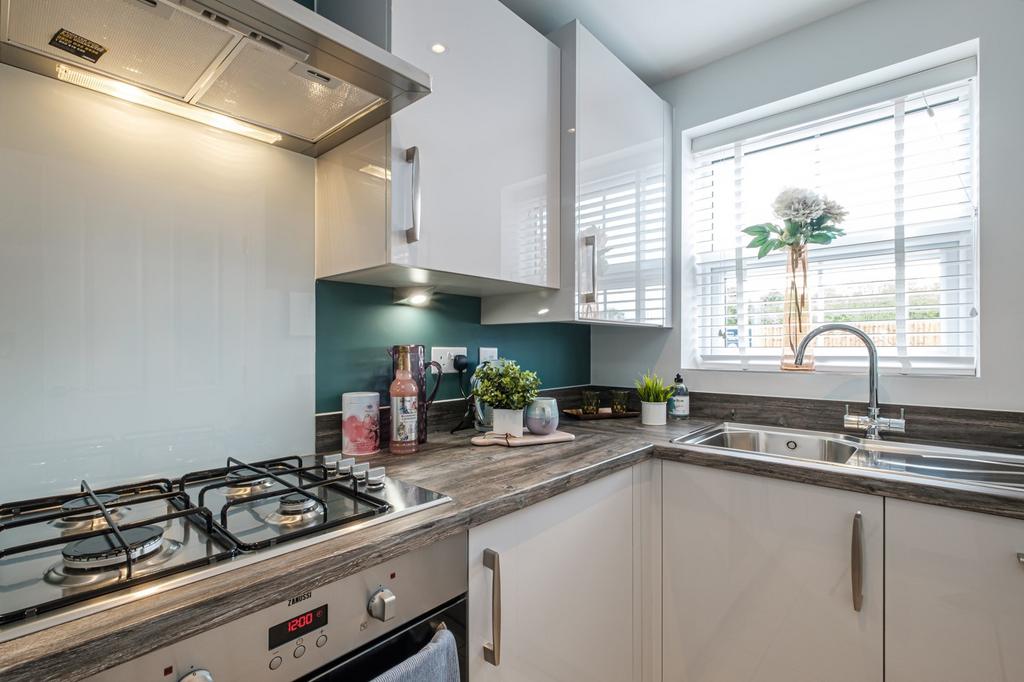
pixel 355 325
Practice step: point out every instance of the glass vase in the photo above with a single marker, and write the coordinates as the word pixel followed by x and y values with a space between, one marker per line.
pixel 796 311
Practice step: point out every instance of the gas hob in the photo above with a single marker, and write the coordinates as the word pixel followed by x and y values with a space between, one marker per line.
pixel 64 556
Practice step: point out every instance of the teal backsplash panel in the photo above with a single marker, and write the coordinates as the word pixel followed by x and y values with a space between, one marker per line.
pixel 356 324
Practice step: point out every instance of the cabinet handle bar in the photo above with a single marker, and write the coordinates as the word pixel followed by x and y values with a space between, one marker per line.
pixel 857 561
pixel 412 155
pixel 492 650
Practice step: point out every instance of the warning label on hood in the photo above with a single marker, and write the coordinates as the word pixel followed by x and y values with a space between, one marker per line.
pixel 77 45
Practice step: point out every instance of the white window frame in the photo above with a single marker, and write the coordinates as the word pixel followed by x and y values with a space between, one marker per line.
pixel 829 361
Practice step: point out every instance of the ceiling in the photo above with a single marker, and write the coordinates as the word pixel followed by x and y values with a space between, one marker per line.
pixel 660 39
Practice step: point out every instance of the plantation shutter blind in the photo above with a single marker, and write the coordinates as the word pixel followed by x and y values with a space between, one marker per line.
pixel 906 271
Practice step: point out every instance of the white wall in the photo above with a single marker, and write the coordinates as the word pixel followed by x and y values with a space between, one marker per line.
pixel 867 37
pixel 156 292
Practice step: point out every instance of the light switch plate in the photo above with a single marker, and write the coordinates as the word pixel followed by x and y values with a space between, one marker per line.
pixel 488 354
pixel 446 356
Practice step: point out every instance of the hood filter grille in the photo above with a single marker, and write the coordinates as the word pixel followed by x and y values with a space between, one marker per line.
pixel 151 44
pixel 268 87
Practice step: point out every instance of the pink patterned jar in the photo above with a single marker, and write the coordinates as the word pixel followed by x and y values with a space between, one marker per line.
pixel 360 432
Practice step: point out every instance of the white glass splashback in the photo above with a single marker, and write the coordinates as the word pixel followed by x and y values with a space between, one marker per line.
pixel 156 292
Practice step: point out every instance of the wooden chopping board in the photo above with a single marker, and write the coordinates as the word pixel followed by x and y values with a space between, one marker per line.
pixel 525 439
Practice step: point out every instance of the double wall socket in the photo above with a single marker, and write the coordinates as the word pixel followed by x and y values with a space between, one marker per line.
pixel 445 355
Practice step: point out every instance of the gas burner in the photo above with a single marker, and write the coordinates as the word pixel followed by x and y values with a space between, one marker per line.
pixel 74 579
pixel 295 509
pixel 103 551
pixel 82 518
pixel 237 486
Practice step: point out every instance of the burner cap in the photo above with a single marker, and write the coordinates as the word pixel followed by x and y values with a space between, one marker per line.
pixel 104 550
pixel 234 479
pixel 295 503
pixel 82 503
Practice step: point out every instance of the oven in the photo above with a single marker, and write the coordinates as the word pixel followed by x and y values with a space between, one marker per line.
pixel 380 656
pixel 350 629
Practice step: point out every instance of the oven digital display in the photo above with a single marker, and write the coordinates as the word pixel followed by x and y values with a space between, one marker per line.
pixel 314 619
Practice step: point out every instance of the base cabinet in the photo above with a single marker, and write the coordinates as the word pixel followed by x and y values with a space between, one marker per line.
pixel 758 580
pixel 954 595
pixel 569 589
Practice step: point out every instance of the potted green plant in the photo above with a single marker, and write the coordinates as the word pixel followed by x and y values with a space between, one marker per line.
pixel 508 389
pixel 654 395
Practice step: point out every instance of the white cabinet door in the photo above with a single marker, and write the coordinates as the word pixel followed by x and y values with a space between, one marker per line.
pixel 569 589
pixel 758 580
pixel 487 137
pixel 615 246
pixel 954 595
pixel 622 194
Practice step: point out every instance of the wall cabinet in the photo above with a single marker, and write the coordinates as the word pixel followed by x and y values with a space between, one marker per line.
pixel 460 190
pixel 954 595
pixel 758 580
pixel 616 158
pixel 570 588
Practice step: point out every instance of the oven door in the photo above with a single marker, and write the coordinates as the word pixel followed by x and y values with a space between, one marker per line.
pixel 381 655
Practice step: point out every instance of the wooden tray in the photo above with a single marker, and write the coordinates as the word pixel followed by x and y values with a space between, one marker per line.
pixel 525 439
pixel 602 413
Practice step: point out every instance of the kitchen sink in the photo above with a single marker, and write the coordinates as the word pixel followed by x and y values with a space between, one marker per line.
pixel 785 442
pixel 936 461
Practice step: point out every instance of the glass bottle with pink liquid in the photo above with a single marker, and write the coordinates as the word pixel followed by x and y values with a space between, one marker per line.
pixel 404 408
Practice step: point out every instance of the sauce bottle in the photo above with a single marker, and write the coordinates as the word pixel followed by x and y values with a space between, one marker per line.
pixel 404 408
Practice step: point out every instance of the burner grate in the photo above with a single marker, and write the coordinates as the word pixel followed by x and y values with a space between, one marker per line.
pixel 309 480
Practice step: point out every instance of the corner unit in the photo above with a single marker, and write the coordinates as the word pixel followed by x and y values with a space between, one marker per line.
pixel 461 191
pixel 616 163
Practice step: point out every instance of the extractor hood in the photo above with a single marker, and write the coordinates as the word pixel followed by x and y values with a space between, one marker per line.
pixel 269 69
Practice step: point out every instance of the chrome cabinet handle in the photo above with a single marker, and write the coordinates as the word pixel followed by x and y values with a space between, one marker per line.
pixel 857 561
pixel 412 155
pixel 492 650
pixel 1020 558
pixel 591 242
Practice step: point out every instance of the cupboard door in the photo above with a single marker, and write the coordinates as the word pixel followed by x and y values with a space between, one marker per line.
pixel 954 595
pixel 487 140
pixel 567 588
pixel 758 580
pixel 621 191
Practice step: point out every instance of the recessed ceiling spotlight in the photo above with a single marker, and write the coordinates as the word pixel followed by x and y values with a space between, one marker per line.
pixel 543 311
pixel 438 48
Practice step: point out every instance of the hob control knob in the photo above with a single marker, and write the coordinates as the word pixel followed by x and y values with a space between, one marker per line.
pixel 197 676
pixel 382 604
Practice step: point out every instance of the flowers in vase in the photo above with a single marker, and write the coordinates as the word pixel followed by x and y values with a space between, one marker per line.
pixel 807 218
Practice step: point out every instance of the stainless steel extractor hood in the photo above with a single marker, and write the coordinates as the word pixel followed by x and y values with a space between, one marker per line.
pixel 269 69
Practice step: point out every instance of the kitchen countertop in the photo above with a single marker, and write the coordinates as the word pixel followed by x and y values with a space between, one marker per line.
pixel 484 483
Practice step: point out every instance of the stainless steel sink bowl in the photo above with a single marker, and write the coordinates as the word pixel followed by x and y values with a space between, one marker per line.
pixel 935 461
pixel 821 447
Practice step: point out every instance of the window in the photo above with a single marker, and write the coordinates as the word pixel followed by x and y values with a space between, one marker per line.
pixel 906 270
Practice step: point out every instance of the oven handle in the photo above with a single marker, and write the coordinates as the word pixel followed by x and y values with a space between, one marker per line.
pixel 492 650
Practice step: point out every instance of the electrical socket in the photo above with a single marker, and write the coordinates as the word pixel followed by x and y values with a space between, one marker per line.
pixel 445 355
pixel 488 354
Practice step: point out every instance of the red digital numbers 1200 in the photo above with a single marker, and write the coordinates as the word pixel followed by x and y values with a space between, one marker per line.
pixel 313 619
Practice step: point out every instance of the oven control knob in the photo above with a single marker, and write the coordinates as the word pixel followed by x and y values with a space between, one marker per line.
pixel 382 604
pixel 197 676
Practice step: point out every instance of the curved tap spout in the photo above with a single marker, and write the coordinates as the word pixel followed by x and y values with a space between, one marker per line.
pixel 872 357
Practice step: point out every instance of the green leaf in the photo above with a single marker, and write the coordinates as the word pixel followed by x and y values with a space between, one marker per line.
pixel 757 241
pixel 758 230
pixel 767 248
pixel 820 238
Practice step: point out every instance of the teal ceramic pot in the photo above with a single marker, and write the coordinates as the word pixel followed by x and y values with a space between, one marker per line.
pixel 542 416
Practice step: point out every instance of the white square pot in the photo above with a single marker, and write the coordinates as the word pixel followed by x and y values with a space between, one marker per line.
pixel 509 421
pixel 653 414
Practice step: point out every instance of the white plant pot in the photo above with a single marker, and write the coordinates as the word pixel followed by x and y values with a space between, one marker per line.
pixel 653 414
pixel 510 422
